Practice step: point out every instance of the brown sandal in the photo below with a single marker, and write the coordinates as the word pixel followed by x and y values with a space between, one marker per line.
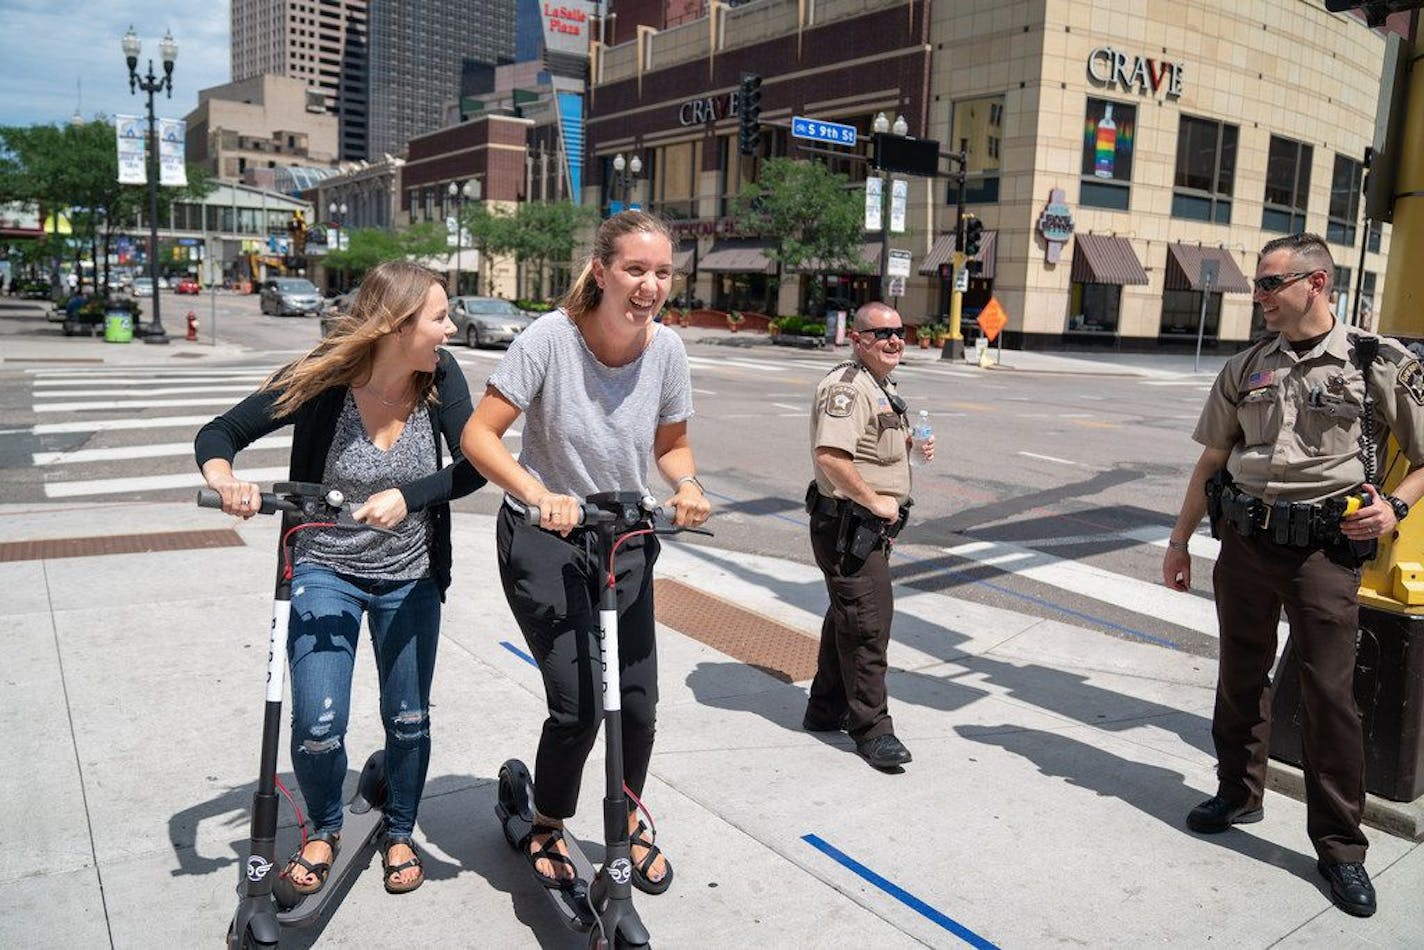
pixel 391 870
pixel 332 839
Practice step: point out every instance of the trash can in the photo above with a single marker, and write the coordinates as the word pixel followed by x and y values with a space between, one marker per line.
pixel 118 326
pixel 1389 690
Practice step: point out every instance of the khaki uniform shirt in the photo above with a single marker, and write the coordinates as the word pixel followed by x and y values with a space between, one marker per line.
pixel 853 414
pixel 1292 422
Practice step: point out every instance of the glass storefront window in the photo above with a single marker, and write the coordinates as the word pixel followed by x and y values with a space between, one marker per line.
pixel 1287 186
pixel 1109 130
pixel 978 124
pixel 1093 308
pixel 1344 201
pixel 1181 313
pixel 1206 170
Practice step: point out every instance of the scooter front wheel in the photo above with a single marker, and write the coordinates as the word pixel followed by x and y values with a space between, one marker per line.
pixel 516 799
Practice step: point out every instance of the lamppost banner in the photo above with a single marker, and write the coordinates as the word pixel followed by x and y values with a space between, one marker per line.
pixel 874 203
pixel 171 170
pixel 129 131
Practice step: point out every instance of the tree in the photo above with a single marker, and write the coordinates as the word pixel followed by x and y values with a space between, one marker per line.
pixel 367 247
pixel 811 214
pixel 546 232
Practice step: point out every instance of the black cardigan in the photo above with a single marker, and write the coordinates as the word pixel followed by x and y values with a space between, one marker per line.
pixel 314 426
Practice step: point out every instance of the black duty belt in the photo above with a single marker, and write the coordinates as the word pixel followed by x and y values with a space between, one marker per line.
pixel 1292 523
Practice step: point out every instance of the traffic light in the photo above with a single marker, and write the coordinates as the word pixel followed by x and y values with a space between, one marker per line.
pixel 749 114
pixel 973 235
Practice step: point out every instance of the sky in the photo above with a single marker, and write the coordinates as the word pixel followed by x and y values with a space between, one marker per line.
pixel 59 55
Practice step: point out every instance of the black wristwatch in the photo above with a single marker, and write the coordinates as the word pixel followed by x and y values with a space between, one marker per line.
pixel 1400 506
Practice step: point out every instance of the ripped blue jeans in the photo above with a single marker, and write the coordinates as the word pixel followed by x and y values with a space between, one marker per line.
pixel 404 620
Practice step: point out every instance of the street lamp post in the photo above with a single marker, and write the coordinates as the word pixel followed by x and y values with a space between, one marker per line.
pixel 901 128
pixel 150 84
pixel 469 191
pixel 625 170
pixel 338 220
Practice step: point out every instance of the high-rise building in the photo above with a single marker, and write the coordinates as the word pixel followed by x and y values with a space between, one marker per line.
pixel 321 42
pixel 418 49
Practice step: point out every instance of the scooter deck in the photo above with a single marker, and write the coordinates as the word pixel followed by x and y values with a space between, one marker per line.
pixel 573 904
pixel 360 833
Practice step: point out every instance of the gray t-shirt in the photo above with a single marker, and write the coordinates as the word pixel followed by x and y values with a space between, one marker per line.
pixel 589 427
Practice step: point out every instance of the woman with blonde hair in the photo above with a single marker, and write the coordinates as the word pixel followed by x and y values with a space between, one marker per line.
pixel 602 387
pixel 369 406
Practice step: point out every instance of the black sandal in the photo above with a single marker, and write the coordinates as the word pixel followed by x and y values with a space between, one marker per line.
pixel 640 870
pixel 332 840
pixel 546 852
pixel 395 887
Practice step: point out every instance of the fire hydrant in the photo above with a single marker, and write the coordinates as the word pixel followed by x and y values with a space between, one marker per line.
pixel 192 326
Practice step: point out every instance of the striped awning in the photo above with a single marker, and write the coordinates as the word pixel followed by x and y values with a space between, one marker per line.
pixel 737 259
pixel 942 251
pixel 682 261
pixel 1104 259
pixel 1184 269
pixel 869 262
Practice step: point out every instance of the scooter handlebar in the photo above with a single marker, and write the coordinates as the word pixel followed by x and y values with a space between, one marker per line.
pixel 271 504
pixel 592 514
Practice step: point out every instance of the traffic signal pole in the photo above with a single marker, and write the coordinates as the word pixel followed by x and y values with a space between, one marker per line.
pixel 954 346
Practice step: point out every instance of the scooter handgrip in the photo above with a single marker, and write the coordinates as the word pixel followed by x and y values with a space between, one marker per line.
pixel 532 515
pixel 207 498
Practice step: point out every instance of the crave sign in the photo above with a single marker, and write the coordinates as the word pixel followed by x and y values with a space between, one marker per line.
pixel 1111 68
pixel 707 109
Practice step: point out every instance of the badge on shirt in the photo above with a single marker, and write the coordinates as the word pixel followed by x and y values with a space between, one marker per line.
pixel 839 400
pixel 1411 377
pixel 1266 377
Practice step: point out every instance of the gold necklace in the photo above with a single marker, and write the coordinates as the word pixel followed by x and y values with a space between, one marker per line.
pixel 384 401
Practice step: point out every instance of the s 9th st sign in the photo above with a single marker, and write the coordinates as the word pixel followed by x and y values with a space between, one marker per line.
pixel 818 130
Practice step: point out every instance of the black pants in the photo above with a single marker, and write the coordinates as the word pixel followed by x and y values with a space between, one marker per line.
pixel 855 636
pixel 1318 587
pixel 553 584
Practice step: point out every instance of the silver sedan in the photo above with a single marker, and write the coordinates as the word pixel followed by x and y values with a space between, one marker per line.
pixel 485 321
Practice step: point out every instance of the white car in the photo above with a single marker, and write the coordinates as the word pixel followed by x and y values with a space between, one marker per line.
pixel 143 286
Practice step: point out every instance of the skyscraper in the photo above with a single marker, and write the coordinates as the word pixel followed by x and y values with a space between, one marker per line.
pixel 417 53
pixel 321 42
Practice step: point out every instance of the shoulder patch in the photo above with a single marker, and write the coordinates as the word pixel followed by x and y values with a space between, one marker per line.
pixel 839 400
pixel 1411 379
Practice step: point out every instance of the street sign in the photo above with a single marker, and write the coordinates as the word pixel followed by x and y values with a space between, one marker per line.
pixel 961 280
pixel 898 264
pixel 818 130
pixel 992 319
pixel 897 286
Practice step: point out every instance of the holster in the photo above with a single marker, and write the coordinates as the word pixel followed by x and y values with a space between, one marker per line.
pixel 1215 486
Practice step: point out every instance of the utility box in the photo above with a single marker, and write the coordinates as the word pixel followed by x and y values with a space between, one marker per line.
pixel 1389 690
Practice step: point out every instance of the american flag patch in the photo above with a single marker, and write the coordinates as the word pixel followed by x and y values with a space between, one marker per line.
pixel 1264 378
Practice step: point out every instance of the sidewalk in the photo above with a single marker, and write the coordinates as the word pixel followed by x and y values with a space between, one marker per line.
pixel 27 337
pixel 1053 769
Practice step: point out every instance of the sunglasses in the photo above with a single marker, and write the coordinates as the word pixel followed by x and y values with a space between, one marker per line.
pixel 885 333
pixel 1274 282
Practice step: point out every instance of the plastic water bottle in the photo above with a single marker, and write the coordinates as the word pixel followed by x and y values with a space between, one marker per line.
pixel 918 435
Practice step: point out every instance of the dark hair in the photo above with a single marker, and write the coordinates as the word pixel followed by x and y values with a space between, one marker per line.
pixel 1307 248
pixel 584 294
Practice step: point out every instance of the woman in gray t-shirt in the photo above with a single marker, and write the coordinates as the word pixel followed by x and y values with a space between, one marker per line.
pixel 602 387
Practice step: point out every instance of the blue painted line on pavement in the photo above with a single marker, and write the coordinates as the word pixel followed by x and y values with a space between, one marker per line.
pixel 519 653
pixel 899 893
pixel 1000 588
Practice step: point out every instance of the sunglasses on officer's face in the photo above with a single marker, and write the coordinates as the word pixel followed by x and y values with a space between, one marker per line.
pixel 1274 282
pixel 885 333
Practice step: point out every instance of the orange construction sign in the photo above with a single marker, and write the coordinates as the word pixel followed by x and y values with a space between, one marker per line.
pixel 992 319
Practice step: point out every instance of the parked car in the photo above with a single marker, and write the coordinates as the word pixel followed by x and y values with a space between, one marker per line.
pixel 187 285
pixel 143 286
pixel 290 295
pixel 336 308
pixel 482 321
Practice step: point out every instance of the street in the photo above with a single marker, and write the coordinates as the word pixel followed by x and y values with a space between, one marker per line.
pixel 1051 494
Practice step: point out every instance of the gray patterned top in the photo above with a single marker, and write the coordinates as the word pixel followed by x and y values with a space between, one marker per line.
pixel 359 469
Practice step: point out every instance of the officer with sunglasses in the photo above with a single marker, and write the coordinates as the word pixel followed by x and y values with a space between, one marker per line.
pixel 1292 427
pixel 857 503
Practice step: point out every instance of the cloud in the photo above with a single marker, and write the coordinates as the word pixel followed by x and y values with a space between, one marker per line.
pixel 61 55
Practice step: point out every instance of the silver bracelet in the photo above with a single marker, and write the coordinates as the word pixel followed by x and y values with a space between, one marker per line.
pixel 689 478
pixel 1176 545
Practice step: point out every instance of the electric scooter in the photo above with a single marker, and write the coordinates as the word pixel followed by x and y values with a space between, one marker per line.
pixel 601 903
pixel 267 901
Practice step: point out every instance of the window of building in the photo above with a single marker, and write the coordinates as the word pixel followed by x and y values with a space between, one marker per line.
pixel 1109 129
pixel 977 124
pixel 1342 291
pixel 1344 201
pixel 673 178
pixel 1206 170
pixel 1367 300
pixel 1372 238
pixel 1093 308
pixel 1287 186
pixel 1181 314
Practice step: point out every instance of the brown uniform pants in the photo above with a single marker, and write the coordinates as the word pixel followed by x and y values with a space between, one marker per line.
pixel 850 669
pixel 1318 587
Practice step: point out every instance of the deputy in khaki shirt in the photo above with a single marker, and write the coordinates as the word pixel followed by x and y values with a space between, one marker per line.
pixel 1284 419
pixel 859 449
